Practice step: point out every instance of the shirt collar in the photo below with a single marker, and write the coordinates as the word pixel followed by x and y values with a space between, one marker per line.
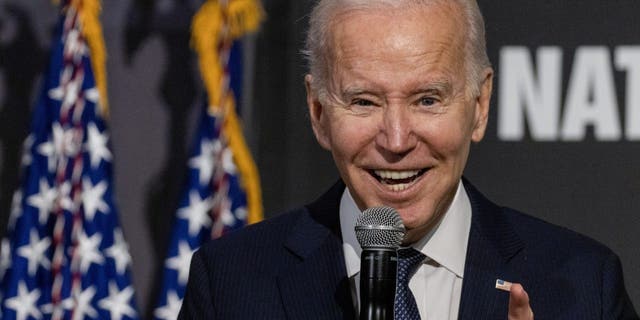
pixel 349 213
pixel 446 244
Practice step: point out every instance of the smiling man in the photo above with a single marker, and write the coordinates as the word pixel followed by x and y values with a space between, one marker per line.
pixel 397 92
pixel 399 108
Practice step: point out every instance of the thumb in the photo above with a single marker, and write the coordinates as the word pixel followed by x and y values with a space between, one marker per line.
pixel 519 307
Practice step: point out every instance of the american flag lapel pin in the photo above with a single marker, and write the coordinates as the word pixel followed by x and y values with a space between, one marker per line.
pixel 503 285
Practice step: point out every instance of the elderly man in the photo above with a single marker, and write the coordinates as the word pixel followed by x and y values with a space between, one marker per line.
pixel 397 92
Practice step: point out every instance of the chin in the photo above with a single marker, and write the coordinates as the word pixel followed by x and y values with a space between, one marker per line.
pixel 416 221
pixel 411 220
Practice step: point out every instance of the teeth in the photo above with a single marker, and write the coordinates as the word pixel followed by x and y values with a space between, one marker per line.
pixel 388 174
pixel 398 187
pixel 397 181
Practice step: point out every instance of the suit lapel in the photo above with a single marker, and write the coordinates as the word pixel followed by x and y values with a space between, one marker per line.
pixel 492 245
pixel 317 286
pixel 317 243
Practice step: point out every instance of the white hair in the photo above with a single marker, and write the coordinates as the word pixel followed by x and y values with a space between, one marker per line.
pixel 318 38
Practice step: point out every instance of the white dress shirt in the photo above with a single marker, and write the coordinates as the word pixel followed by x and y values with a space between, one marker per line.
pixel 437 284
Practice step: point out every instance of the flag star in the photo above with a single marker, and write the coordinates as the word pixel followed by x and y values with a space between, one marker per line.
pixel 205 161
pixel 44 200
pixel 74 45
pixel 24 304
pixel 241 213
pixel 48 150
pixel 92 95
pixel 228 164
pixel 63 142
pixel 69 91
pixel 34 252
pixel 57 93
pixel 170 310
pixel 181 261
pixel 57 311
pixel 97 145
pixel 119 251
pixel 64 193
pixel 92 198
pixel 83 304
pixel 5 257
pixel 118 302
pixel 197 213
pixel 88 250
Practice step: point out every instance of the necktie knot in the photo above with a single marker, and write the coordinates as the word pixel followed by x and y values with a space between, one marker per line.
pixel 409 260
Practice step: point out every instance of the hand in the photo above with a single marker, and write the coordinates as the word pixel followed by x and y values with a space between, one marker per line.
pixel 519 307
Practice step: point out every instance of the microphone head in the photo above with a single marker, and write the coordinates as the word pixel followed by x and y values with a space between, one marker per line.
pixel 379 227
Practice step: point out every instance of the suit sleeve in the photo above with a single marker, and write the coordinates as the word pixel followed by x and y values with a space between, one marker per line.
pixel 198 300
pixel 615 300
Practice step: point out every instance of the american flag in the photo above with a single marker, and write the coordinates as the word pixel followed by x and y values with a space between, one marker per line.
pixel 65 256
pixel 222 192
pixel 212 203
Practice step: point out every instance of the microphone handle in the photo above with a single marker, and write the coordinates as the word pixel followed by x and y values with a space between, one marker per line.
pixel 378 268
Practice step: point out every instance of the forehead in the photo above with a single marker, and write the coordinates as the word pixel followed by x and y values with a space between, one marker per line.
pixel 398 38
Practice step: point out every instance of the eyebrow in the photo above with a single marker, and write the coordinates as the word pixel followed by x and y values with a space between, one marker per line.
pixel 357 90
pixel 442 86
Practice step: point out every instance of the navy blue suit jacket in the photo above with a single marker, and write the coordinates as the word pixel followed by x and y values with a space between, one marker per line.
pixel 292 267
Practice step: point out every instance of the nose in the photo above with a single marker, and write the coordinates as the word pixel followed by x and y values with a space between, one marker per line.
pixel 396 136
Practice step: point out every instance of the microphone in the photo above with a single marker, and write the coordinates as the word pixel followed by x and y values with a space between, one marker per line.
pixel 379 231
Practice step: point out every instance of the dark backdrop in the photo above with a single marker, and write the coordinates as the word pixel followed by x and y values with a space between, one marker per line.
pixel 561 145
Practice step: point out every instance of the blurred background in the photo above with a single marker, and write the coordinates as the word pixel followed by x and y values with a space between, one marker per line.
pixel 563 142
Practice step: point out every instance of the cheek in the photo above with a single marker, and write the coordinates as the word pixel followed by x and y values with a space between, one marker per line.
pixel 349 135
pixel 447 137
pixel 448 140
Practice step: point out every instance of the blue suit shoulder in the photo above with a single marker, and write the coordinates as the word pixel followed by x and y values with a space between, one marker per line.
pixel 542 235
pixel 567 275
pixel 581 270
pixel 264 238
pixel 316 219
pixel 509 229
pixel 232 277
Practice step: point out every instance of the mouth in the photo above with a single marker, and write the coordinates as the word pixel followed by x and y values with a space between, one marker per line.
pixel 397 180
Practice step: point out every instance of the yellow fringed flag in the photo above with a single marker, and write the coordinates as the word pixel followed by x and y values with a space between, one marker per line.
pixel 222 192
pixel 64 256
pixel 88 16
pixel 215 28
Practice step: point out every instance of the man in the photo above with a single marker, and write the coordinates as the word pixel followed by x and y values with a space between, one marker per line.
pixel 397 92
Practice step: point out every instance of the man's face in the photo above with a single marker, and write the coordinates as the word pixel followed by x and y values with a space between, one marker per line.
pixel 398 117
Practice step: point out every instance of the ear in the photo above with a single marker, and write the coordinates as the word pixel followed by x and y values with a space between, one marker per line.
pixel 482 107
pixel 317 114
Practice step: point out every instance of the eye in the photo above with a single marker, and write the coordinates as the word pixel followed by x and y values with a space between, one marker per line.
pixel 427 101
pixel 362 103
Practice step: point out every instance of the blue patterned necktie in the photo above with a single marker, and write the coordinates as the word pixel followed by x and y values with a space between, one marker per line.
pixel 405 308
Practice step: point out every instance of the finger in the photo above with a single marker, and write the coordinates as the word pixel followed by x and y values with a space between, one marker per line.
pixel 519 307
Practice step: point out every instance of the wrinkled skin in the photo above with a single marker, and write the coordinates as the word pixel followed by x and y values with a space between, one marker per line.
pixel 398 105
